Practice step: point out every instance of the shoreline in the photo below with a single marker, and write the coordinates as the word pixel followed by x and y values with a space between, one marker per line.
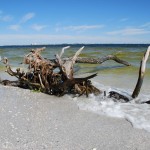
pixel 78 44
pixel 38 121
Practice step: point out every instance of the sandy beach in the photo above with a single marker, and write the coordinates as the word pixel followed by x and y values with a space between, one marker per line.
pixel 91 59
pixel 37 121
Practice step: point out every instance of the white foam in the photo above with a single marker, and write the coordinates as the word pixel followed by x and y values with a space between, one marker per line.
pixel 134 112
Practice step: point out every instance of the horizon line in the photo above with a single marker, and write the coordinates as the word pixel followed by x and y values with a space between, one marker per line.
pixel 78 44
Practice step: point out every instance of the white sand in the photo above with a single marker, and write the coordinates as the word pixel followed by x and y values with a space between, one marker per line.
pixel 37 121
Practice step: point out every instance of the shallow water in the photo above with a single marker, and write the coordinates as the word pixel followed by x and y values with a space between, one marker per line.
pixel 134 112
pixel 111 76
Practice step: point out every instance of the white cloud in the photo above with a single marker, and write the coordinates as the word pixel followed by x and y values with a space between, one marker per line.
pixel 146 24
pixel 38 27
pixel 15 27
pixel 23 20
pixel 79 28
pixel 6 18
pixel 27 17
pixel 83 27
pixel 129 31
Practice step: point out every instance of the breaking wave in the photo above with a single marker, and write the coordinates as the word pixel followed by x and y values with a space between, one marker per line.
pixel 134 112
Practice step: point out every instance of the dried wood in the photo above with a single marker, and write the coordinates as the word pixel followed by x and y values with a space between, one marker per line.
pixel 41 76
pixel 99 60
pixel 118 96
pixel 141 74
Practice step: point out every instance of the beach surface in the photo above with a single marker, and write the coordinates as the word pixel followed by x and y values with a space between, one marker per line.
pixel 37 121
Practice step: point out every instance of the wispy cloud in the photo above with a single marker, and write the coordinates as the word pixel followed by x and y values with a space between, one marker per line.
pixel 14 27
pixel 23 20
pixel 6 18
pixel 38 27
pixel 27 17
pixel 146 25
pixel 129 31
pixel 83 27
pixel 79 28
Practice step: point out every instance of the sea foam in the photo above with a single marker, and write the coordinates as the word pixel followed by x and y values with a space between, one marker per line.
pixel 136 113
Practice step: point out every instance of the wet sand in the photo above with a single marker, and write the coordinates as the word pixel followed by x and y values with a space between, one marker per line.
pixel 30 120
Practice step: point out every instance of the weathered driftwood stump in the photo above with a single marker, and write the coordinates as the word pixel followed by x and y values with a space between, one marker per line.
pixel 118 96
pixel 141 74
pixel 41 74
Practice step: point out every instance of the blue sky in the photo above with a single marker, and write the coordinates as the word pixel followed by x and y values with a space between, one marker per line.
pixel 74 21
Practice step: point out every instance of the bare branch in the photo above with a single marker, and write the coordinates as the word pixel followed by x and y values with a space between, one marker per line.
pixel 141 74
pixel 76 55
pixel 101 60
pixel 62 51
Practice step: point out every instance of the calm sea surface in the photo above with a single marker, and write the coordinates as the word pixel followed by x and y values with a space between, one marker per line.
pixel 109 70
pixel 111 76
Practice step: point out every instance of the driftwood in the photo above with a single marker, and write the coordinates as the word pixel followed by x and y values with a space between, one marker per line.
pixel 41 74
pixel 141 74
pixel 118 96
pixel 99 60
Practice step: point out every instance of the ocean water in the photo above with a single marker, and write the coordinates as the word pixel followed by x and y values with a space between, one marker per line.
pixel 111 76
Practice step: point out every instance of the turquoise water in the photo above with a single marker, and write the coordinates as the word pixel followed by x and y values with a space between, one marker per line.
pixel 111 76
